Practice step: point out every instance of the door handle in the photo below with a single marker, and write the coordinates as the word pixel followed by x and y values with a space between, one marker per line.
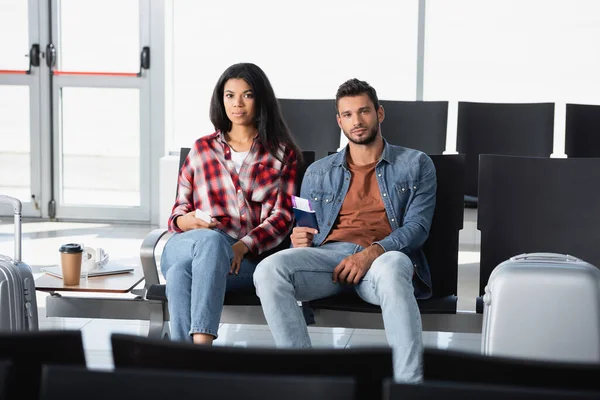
pixel 144 60
pixel 34 56
pixel 50 55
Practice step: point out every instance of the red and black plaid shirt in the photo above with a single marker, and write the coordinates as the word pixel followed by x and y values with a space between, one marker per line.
pixel 253 205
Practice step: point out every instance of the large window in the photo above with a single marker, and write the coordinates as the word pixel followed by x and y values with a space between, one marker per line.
pixel 14 40
pixel 512 50
pixel 88 44
pixel 306 48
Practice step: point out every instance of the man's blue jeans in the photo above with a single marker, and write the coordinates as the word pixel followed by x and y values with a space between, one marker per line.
pixel 304 274
pixel 196 266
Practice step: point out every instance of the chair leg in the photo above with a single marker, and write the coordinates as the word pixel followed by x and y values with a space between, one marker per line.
pixel 159 325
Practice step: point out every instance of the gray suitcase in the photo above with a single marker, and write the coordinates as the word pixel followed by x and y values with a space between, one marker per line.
pixel 18 305
pixel 543 306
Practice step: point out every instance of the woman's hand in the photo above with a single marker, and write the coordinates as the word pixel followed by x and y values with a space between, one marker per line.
pixel 239 250
pixel 189 221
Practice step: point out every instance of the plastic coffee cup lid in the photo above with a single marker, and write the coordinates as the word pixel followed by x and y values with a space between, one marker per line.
pixel 71 248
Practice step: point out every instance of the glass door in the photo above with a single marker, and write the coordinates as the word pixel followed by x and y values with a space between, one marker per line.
pixel 100 95
pixel 20 138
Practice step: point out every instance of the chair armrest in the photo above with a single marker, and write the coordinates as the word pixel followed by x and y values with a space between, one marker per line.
pixel 147 256
pixel 157 292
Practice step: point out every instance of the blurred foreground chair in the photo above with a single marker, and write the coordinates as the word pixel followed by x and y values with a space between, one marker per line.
pixel 472 368
pixel 27 352
pixel 72 383
pixel 369 367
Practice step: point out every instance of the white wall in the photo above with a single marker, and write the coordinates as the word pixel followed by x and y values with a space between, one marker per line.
pixel 307 49
pixel 512 50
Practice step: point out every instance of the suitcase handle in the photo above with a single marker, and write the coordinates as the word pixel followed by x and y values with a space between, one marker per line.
pixel 17 209
pixel 545 257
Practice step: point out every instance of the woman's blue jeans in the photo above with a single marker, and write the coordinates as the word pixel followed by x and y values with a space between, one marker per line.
pixel 196 266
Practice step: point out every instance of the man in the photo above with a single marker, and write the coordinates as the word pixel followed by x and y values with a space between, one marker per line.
pixel 374 203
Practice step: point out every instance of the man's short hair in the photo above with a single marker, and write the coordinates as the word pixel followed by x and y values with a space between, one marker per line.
pixel 354 87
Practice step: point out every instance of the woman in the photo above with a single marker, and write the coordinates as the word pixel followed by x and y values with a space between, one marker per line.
pixel 242 176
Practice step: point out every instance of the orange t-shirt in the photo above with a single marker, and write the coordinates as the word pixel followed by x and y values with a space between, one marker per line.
pixel 362 219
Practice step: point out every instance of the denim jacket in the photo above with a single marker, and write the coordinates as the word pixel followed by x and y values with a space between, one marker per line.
pixel 407 182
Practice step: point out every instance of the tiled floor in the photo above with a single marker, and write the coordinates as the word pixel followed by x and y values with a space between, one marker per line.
pixel 40 248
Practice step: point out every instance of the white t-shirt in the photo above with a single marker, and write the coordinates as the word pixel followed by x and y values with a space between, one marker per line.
pixel 238 158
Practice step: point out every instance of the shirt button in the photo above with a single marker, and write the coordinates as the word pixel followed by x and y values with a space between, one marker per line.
pixel 239 190
pixel 392 219
pixel 327 201
pixel 414 188
pixel 384 195
pixel 403 189
pixel 316 198
pixel 378 174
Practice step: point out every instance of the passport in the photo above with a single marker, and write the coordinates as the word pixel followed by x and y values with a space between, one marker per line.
pixel 303 212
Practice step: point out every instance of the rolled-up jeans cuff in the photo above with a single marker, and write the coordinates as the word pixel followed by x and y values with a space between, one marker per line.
pixel 204 331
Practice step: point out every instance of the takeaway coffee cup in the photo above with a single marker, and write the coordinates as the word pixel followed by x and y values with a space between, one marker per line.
pixel 70 262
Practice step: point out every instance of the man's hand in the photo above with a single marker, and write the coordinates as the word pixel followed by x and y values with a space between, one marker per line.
pixel 303 236
pixel 354 267
pixel 189 221
pixel 239 251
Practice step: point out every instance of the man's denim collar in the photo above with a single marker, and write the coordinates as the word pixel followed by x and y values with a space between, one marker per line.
pixel 340 157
